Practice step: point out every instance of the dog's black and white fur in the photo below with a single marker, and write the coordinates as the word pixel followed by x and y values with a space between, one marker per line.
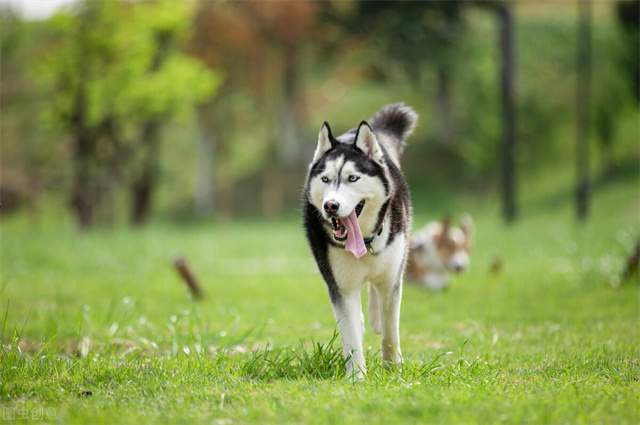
pixel 361 170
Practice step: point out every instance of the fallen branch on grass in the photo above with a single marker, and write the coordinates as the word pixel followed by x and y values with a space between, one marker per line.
pixel 188 277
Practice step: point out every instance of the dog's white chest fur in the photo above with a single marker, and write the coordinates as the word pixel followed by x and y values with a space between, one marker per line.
pixel 352 273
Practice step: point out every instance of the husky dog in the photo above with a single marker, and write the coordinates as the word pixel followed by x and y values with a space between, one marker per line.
pixel 357 217
pixel 438 250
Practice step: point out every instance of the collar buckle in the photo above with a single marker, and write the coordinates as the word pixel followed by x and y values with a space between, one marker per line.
pixel 369 241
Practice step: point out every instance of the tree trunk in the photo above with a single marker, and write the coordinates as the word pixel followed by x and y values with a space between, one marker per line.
pixel 443 104
pixel 583 83
pixel 272 194
pixel 605 128
pixel 289 148
pixel 507 81
pixel 143 187
pixel 82 196
pixel 204 201
pixel 286 146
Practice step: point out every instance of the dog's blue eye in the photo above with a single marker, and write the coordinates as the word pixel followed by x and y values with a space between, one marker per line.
pixel 325 179
pixel 354 178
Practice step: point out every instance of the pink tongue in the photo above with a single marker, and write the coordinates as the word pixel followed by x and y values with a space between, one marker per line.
pixel 355 242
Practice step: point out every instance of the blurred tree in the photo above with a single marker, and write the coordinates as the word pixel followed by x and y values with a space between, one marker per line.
pixel 628 15
pixel 507 89
pixel 224 37
pixel 616 79
pixel 280 62
pixel 165 27
pixel 21 170
pixel 287 27
pixel 118 75
pixel 414 34
pixel 612 93
pixel 270 37
pixel 431 32
pixel 583 109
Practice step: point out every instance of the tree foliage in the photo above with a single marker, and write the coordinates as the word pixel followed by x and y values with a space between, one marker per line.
pixel 108 49
pixel 117 81
pixel 115 69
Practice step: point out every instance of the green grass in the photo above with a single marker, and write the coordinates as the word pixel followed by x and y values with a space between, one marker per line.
pixel 97 328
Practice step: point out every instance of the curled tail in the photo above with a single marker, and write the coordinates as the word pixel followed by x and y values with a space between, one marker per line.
pixel 397 120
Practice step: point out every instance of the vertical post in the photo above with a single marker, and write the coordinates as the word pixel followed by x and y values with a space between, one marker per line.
pixel 507 89
pixel 446 128
pixel 583 108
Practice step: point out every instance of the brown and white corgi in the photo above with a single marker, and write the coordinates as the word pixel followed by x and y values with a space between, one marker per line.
pixel 438 250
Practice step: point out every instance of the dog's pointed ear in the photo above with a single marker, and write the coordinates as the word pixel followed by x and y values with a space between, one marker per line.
pixel 446 224
pixel 466 224
pixel 367 142
pixel 325 141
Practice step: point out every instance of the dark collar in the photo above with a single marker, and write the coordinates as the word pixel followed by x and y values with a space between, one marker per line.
pixel 368 241
pixel 381 216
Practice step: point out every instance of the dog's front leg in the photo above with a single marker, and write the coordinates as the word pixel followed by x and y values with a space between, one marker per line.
pixel 391 296
pixel 348 312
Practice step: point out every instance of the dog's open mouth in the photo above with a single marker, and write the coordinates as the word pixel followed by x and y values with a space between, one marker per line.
pixel 341 225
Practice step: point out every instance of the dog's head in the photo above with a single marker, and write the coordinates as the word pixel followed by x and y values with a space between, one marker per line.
pixel 348 174
pixel 448 245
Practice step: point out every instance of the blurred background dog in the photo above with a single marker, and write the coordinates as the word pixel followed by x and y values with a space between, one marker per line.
pixel 438 250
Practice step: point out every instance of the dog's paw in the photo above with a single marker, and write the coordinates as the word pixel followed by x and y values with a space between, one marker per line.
pixel 392 357
pixel 356 371
pixel 395 364
pixel 357 375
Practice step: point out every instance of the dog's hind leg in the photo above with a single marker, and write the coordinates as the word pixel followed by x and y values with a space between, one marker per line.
pixel 375 309
pixel 348 312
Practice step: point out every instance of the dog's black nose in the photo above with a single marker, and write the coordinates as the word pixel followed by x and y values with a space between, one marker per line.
pixel 331 207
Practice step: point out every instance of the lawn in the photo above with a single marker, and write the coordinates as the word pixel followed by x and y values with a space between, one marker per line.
pixel 97 328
